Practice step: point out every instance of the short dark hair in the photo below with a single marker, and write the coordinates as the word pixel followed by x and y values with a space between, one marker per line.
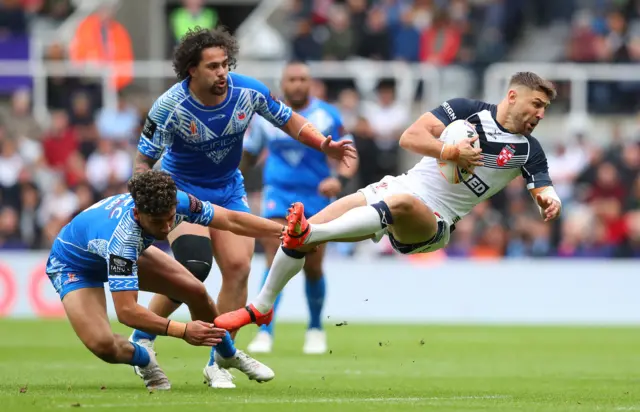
pixel 188 53
pixel 154 192
pixel 534 82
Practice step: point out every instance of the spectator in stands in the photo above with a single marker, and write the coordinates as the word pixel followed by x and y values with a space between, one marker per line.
pixel 17 118
pixel 440 43
pixel 108 165
pixel 376 41
pixel 305 47
pixel 59 142
pixel 582 46
pixel 406 39
pixel 30 232
pixel 387 118
pixel 13 18
pixel 58 206
pixel 11 164
pixel 101 40
pixel 341 43
pixel 192 14
pixel 120 123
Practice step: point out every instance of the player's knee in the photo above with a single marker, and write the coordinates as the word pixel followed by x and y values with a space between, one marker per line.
pixel 105 348
pixel 235 273
pixel 194 253
pixel 195 292
pixel 401 205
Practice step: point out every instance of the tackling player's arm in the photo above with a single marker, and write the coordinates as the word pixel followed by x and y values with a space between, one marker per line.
pixel 240 223
pixel 536 173
pixel 156 135
pixel 123 283
pixel 422 136
pixel 333 186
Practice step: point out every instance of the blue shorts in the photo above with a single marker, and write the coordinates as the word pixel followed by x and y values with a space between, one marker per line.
pixel 65 282
pixel 276 202
pixel 231 196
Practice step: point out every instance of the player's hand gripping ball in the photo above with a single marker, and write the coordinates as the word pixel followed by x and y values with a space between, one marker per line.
pixel 464 137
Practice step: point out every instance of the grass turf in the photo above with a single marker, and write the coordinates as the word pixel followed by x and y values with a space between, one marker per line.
pixel 43 366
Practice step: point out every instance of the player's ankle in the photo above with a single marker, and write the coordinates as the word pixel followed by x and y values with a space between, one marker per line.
pixel 293 253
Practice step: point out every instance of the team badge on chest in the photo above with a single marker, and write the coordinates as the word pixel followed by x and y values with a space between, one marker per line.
pixel 505 155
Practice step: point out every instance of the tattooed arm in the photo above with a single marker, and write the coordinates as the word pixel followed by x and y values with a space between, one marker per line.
pixel 142 163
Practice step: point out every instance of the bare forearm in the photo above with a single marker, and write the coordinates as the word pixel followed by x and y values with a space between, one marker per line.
pixel 302 130
pixel 142 163
pixel 138 317
pixel 421 141
pixel 246 224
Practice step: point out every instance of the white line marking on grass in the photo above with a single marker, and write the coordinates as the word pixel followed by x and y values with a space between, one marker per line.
pixel 265 401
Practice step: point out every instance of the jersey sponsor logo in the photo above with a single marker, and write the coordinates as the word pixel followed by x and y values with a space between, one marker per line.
pixel 447 108
pixel 195 204
pixel 149 128
pixel 505 155
pixel 476 185
pixel 120 266
pixel 217 117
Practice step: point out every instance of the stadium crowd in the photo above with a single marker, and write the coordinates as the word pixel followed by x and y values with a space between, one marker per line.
pixel 48 174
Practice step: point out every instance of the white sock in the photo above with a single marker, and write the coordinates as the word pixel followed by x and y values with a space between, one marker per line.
pixel 360 221
pixel 282 270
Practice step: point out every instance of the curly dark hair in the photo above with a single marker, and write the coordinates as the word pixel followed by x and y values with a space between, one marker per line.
pixel 154 192
pixel 188 53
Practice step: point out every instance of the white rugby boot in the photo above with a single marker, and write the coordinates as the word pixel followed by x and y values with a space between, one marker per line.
pixel 152 375
pixel 254 369
pixel 262 343
pixel 218 378
pixel 315 342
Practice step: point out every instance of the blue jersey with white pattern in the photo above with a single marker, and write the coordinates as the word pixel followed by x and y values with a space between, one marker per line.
pixel 202 145
pixel 291 164
pixel 105 240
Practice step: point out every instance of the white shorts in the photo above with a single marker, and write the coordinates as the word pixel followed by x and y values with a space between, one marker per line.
pixel 394 185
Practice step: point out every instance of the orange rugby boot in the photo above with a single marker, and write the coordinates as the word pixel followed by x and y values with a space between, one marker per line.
pixel 297 227
pixel 242 317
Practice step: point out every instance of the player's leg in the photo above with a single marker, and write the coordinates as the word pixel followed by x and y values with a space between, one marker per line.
pixel 161 274
pixel 263 341
pixel 85 304
pixel 315 341
pixel 286 264
pixel 191 247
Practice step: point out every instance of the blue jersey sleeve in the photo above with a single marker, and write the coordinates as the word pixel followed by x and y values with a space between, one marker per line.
pixel 268 106
pixel 458 109
pixel 122 264
pixel 536 170
pixel 194 210
pixel 159 126
pixel 254 139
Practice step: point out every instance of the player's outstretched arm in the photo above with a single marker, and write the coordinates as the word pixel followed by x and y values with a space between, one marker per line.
pixel 302 130
pixel 132 314
pixel 244 224
pixel 548 201
pixel 248 162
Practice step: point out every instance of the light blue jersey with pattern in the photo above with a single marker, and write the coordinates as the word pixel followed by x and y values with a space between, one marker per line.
pixel 202 145
pixel 291 165
pixel 104 241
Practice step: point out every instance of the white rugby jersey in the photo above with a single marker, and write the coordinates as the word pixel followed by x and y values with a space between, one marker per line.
pixel 506 156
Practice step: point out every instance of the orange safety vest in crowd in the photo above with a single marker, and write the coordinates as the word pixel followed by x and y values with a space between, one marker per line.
pixel 89 45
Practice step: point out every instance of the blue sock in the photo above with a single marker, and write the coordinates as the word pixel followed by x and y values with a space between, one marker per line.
pixel 226 349
pixel 269 328
pixel 315 290
pixel 140 356
pixel 138 334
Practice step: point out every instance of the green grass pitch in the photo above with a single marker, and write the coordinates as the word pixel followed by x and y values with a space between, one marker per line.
pixel 43 367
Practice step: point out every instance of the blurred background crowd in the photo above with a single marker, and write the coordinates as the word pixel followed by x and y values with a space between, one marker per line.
pixel 51 170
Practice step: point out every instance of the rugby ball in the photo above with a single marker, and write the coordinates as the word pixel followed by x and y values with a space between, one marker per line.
pixel 453 134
